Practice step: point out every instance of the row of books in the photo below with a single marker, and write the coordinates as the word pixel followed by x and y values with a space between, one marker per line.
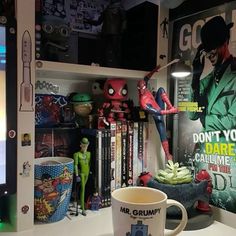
pixel 119 155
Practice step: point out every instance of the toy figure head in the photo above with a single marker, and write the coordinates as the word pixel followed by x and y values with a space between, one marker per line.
pixel 84 144
pixel 26 137
pixel 47 100
pixel 47 180
pixel 202 175
pixel 141 86
pixel 144 178
pixel 116 89
pixel 82 104
pixel 97 87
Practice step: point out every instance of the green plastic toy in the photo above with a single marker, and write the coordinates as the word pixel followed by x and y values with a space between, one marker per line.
pixel 83 105
pixel 82 169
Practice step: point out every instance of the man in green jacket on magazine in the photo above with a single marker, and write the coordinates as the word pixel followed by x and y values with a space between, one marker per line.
pixel 217 91
pixel 216 94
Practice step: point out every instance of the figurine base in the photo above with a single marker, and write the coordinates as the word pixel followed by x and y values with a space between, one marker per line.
pixel 197 220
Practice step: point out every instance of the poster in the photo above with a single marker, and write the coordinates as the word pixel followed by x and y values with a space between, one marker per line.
pixel 74 13
pixel 211 147
pixel 86 9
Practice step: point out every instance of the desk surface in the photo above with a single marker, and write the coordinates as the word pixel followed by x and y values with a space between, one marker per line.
pixel 100 224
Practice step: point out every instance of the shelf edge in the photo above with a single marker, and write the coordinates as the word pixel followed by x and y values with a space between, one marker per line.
pixel 57 70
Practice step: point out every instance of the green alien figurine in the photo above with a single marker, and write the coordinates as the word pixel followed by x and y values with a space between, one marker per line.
pixel 83 105
pixel 82 170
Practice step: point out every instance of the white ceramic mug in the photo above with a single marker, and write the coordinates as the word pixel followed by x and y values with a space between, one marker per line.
pixel 142 211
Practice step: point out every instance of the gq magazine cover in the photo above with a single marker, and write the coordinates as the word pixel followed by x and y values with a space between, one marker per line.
pixel 206 99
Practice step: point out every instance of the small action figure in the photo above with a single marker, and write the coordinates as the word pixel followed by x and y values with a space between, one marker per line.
pixel 94 202
pixel 203 175
pixel 156 107
pixel 97 93
pixel 116 91
pixel 164 27
pixel 83 105
pixel 82 169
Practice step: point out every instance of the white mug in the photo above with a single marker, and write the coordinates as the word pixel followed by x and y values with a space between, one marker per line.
pixel 142 211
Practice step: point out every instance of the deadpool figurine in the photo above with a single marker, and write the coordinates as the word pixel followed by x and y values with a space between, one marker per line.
pixel 115 108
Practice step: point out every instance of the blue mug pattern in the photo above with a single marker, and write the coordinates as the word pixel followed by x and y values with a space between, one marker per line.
pixel 53 186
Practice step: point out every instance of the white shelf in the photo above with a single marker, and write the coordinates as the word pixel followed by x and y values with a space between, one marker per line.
pixel 100 224
pixel 58 70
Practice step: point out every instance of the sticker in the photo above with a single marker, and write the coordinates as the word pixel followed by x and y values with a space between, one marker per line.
pixel 25 209
pixel 26 169
pixel 26 139
pixel 12 133
pixel 26 87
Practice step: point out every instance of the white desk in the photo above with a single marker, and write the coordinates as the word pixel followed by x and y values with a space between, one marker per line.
pixel 100 224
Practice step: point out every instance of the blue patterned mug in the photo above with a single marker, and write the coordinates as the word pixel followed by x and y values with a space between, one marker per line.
pixel 52 188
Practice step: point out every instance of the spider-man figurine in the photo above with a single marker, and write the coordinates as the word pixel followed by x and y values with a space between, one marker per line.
pixel 116 91
pixel 156 107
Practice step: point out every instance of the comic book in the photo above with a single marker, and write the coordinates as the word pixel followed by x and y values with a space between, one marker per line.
pixel 207 142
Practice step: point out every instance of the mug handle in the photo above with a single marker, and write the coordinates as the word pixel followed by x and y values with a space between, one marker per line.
pixel 183 222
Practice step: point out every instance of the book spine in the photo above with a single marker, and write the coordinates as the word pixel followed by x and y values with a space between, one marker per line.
pixel 118 155
pixel 130 153
pixel 145 146
pixel 124 154
pixel 99 162
pixel 105 173
pixel 140 147
pixel 108 168
pixel 113 154
pixel 103 170
pixel 135 153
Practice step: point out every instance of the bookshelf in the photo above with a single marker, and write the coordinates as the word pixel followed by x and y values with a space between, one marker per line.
pixel 65 73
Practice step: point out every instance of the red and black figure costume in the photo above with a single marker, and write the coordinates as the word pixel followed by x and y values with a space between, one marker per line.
pixel 115 108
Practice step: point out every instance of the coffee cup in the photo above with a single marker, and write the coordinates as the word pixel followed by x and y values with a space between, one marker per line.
pixel 142 211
